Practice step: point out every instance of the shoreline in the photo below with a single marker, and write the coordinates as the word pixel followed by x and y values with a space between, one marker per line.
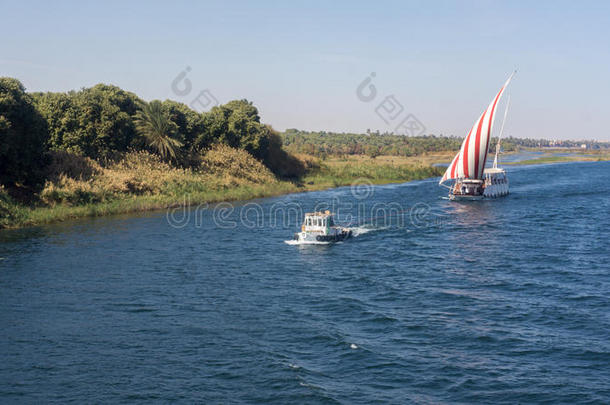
pixel 149 203
pixel 37 216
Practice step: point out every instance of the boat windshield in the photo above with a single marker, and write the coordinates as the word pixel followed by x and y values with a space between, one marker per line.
pixel 319 221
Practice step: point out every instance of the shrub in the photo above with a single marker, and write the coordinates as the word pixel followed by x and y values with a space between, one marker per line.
pixel 280 162
pixel 227 162
pixel 71 165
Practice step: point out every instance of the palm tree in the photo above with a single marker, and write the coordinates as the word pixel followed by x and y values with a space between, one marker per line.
pixel 158 130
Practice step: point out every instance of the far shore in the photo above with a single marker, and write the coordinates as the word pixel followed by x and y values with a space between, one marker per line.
pixel 564 155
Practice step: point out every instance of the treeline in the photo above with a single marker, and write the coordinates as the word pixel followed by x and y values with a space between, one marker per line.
pixel 104 121
pixel 324 143
pixel 547 143
pixel 373 144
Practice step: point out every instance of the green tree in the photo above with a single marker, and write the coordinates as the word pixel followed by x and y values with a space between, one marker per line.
pixel 94 122
pixel 190 123
pixel 215 123
pixel 23 136
pixel 236 124
pixel 159 131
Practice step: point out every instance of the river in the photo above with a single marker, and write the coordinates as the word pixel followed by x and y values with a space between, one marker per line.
pixel 432 301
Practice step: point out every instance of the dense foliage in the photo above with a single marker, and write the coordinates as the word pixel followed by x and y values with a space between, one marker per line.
pixel 23 136
pixel 103 122
pixel 94 122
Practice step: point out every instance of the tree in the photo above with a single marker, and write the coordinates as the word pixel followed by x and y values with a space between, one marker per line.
pixel 154 124
pixel 94 122
pixel 236 124
pixel 190 123
pixel 23 136
pixel 246 107
pixel 215 123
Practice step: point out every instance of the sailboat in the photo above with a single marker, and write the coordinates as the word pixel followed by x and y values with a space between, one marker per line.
pixel 472 180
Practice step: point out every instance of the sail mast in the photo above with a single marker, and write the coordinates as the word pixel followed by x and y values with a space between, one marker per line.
pixel 495 165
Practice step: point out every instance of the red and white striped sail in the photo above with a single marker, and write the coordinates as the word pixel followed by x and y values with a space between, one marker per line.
pixel 469 163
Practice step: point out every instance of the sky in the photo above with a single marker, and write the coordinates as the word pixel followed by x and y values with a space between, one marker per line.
pixel 304 63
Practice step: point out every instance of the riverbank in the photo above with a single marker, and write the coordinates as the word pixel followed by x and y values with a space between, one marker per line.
pixel 141 182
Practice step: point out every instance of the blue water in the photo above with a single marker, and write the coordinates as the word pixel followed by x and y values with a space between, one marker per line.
pixel 504 301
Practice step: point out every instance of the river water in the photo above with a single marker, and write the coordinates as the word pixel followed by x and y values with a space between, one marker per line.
pixel 504 301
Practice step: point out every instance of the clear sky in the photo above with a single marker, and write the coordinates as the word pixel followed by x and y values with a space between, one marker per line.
pixel 301 62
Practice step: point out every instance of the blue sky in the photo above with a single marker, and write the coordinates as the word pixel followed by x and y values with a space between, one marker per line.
pixel 301 62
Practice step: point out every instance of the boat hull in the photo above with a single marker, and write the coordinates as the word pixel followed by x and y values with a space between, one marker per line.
pixel 492 192
pixel 494 185
pixel 461 197
pixel 496 190
pixel 306 237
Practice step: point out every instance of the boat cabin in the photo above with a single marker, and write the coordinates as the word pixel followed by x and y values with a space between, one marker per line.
pixel 495 175
pixel 470 187
pixel 317 222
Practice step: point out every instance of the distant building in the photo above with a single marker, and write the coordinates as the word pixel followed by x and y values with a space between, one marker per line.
pixel 583 146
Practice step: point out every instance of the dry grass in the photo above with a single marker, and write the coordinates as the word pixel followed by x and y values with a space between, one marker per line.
pixel 71 165
pixel 74 180
pixel 233 167
pixel 309 162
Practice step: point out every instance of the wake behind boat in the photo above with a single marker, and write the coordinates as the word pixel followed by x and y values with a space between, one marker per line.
pixel 472 180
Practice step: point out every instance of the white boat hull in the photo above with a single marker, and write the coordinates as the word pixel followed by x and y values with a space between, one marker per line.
pixel 314 238
pixel 490 192
pixel 496 190
pixel 459 197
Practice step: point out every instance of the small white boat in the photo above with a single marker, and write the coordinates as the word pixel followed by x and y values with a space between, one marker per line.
pixel 319 227
pixel 472 180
